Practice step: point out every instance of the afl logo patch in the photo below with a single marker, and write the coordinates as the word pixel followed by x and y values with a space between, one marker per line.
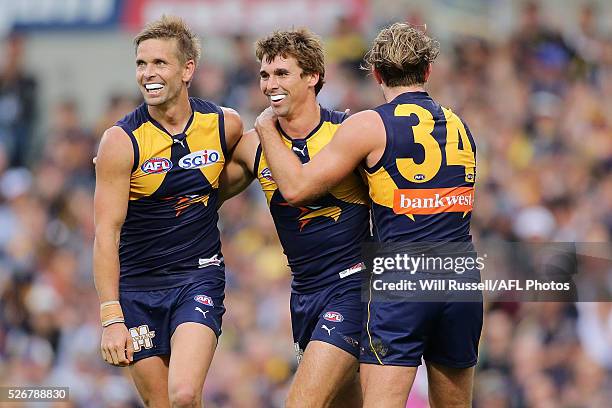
pixel 199 159
pixel 156 165
pixel 203 299
pixel 333 317
pixel 267 174
pixel 419 177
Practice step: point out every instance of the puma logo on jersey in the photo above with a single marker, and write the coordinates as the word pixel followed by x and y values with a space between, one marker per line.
pixel 302 150
pixel 328 329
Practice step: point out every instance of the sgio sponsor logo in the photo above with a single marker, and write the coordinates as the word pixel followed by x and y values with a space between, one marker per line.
pixel 156 165
pixel 199 159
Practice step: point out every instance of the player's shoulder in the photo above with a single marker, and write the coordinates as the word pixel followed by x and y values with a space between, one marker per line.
pixel 115 135
pixel 333 116
pixel 231 115
pixel 115 147
pixel 134 119
pixel 367 119
pixel 204 106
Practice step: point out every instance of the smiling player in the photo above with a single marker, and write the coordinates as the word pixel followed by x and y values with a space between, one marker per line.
pixel 322 240
pixel 158 266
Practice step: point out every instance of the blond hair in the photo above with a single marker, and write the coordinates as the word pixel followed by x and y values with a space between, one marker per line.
pixel 171 27
pixel 301 44
pixel 401 54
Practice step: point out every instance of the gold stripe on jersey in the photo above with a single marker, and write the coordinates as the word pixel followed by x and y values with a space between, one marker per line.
pixel 382 188
pixel 207 124
pixel 152 142
pixel 350 189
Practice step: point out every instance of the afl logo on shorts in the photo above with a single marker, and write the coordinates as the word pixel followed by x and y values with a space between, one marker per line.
pixel 203 299
pixel 199 159
pixel 156 165
pixel 333 317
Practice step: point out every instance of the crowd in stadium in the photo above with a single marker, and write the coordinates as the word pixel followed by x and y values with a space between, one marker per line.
pixel 536 104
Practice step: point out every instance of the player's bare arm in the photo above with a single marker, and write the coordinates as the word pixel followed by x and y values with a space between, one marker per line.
pixel 360 137
pixel 238 172
pixel 233 127
pixel 113 169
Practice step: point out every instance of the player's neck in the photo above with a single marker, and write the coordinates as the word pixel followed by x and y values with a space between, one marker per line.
pixel 391 93
pixel 172 116
pixel 303 121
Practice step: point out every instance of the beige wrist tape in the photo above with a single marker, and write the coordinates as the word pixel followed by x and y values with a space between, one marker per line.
pixel 110 312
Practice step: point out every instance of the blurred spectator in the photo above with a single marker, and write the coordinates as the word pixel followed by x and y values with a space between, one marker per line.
pixel 346 45
pixel 18 93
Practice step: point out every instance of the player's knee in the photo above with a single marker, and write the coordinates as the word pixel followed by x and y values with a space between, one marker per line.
pixel 299 399
pixel 184 396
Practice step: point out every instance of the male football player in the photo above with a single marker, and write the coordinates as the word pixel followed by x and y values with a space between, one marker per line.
pixel 158 266
pixel 412 151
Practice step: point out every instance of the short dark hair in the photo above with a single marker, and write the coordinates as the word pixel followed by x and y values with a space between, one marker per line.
pixel 301 44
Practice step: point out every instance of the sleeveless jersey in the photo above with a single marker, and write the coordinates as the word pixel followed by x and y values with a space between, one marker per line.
pixel 422 188
pixel 170 235
pixel 322 241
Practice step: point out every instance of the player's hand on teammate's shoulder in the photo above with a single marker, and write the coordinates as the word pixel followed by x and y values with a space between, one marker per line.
pixel 266 120
pixel 116 345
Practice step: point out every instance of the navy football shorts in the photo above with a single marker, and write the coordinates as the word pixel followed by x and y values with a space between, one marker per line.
pixel 331 315
pixel 401 333
pixel 152 316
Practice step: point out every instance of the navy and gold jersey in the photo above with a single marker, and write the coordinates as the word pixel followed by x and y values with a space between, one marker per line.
pixel 170 235
pixel 322 241
pixel 422 188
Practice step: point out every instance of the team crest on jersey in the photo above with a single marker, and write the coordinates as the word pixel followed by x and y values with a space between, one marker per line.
pixel 203 299
pixel 199 159
pixel 333 317
pixel 267 174
pixel 310 212
pixel 156 165
pixel 142 337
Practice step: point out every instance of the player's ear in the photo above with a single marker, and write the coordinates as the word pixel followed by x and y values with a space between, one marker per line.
pixel 313 79
pixel 377 76
pixel 427 72
pixel 188 71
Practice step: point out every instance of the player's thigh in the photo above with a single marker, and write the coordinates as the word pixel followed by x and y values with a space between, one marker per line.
pixel 385 385
pixel 322 373
pixel 193 346
pixel 150 376
pixel 449 387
